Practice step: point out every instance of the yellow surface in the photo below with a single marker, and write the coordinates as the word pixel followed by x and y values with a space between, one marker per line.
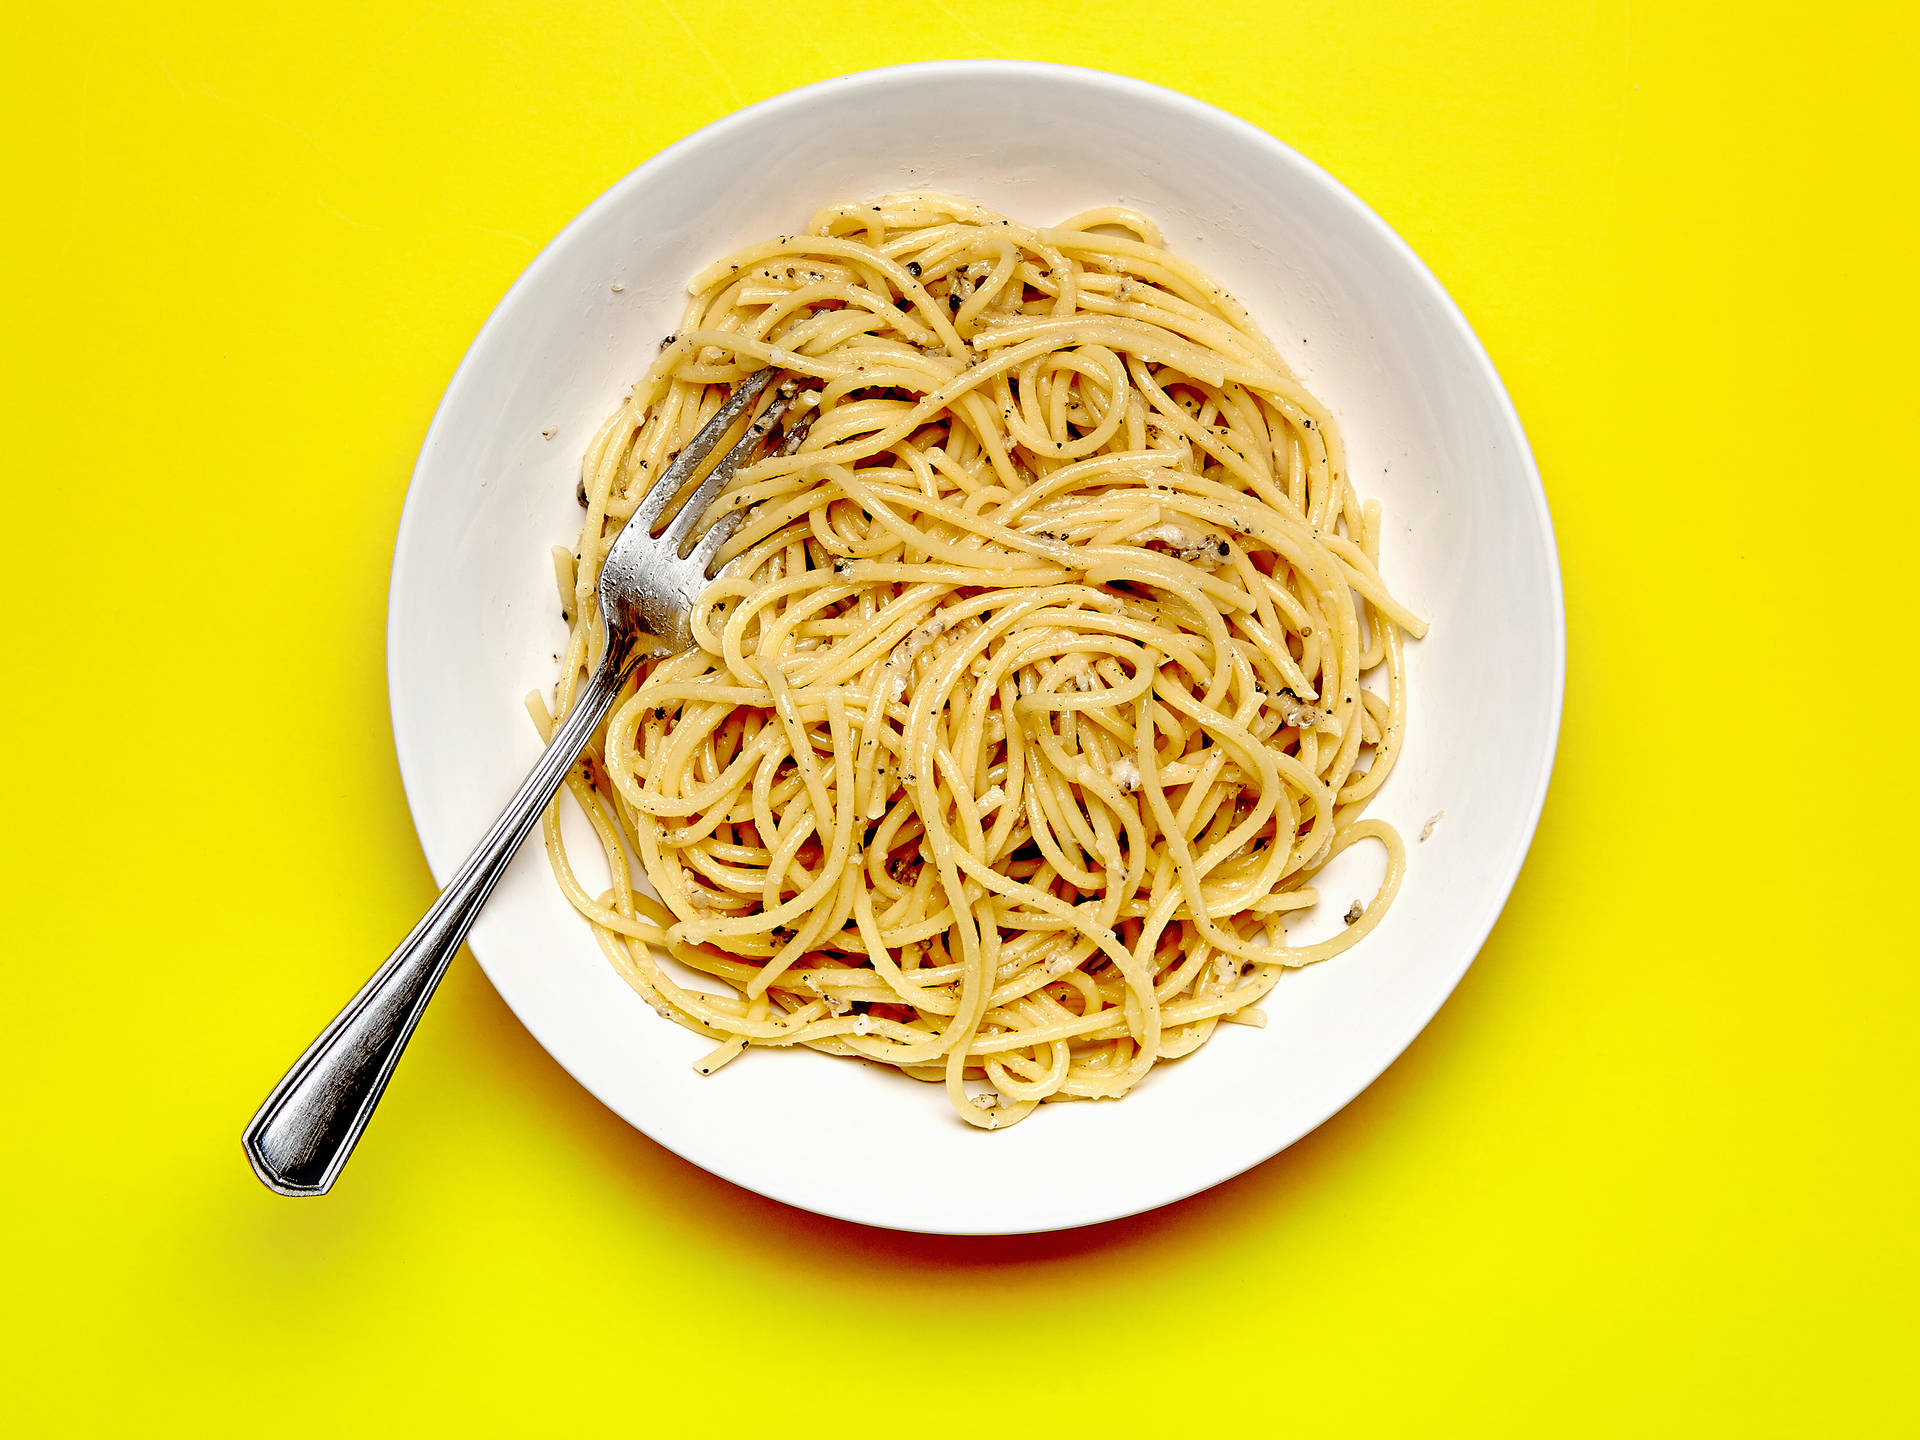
pixel 1652 1169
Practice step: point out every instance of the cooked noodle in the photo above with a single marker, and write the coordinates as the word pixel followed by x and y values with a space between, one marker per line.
pixel 1031 699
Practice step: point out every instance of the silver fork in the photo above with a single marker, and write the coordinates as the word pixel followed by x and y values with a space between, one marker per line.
pixel 310 1123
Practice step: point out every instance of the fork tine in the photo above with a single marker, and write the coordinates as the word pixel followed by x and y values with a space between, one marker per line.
pixel 791 437
pixel 674 477
pixel 710 543
pixel 722 529
pixel 681 526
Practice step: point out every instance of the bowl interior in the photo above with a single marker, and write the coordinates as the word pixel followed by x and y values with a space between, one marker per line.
pixel 474 624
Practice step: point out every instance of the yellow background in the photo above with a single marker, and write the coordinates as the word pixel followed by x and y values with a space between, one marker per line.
pixel 1650 1171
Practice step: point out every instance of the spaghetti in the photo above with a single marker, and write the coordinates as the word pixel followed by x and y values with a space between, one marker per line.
pixel 1029 699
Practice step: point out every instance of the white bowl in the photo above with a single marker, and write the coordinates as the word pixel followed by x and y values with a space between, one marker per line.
pixel 473 623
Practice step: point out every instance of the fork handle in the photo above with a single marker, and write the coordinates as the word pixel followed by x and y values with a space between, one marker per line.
pixel 310 1123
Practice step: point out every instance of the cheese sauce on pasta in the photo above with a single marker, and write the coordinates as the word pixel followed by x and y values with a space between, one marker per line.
pixel 1029 699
